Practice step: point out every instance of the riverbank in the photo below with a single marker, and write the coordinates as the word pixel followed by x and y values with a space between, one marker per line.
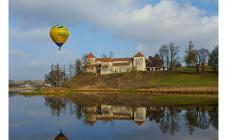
pixel 157 97
pixel 22 89
pixel 128 99
pixel 152 91
pixel 143 80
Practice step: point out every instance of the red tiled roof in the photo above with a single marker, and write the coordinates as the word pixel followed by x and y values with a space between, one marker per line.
pixel 91 123
pixel 104 59
pixel 91 66
pixel 139 122
pixel 90 55
pixel 121 59
pixel 139 54
pixel 121 64
pixel 113 118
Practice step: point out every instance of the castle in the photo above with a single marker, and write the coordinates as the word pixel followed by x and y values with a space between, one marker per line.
pixel 110 113
pixel 115 65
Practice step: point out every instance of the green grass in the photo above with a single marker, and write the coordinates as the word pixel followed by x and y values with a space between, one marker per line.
pixel 193 69
pixel 183 79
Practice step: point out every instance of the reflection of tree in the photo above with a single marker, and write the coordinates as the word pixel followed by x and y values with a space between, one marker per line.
pixel 76 109
pixel 57 105
pixel 156 114
pixel 169 121
pixel 191 120
pixel 201 119
pixel 214 117
pixel 166 117
pixel 79 112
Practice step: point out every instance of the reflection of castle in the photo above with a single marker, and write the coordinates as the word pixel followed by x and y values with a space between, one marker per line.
pixel 108 112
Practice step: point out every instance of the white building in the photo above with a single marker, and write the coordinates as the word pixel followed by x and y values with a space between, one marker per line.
pixel 115 65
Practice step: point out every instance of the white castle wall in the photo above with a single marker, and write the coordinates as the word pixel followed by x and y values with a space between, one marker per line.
pixel 137 63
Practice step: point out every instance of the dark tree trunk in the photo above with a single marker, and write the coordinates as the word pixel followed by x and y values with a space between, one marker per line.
pixel 197 67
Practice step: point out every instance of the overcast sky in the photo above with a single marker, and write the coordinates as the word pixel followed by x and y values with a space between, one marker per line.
pixel 100 26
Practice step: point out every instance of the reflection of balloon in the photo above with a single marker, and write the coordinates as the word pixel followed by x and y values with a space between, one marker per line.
pixel 60 136
pixel 59 34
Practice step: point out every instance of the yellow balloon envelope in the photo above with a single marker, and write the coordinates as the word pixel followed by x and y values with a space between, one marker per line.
pixel 59 34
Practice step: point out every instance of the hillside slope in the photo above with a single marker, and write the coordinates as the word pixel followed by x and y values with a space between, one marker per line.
pixel 144 80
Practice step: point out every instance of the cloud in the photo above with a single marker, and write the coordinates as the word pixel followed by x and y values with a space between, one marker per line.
pixel 147 24
pixel 37 34
pixel 141 47
pixel 38 64
pixel 209 1
pixel 15 52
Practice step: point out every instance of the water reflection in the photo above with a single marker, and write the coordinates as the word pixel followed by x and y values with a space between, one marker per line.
pixel 61 136
pixel 201 117
pixel 168 118
pixel 56 104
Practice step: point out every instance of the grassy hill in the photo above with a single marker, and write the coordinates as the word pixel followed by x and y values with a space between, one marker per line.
pixel 179 78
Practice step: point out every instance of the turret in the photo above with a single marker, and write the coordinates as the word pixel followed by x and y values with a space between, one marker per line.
pixel 139 62
pixel 90 58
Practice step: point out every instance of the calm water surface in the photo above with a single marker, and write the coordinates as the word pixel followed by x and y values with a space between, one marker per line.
pixel 41 118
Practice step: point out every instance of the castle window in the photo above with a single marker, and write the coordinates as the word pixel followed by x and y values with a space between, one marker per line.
pixel 92 68
pixel 139 63
pixel 115 71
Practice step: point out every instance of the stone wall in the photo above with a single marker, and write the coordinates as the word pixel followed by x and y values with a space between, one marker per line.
pixel 117 65
pixel 139 63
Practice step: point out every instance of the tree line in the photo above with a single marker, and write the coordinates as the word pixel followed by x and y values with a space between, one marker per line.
pixel 59 73
pixel 168 58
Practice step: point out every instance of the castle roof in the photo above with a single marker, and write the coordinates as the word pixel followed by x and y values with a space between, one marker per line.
pixel 90 55
pixel 121 59
pixel 121 64
pixel 139 54
pixel 115 117
pixel 91 122
pixel 139 122
pixel 104 59
pixel 91 65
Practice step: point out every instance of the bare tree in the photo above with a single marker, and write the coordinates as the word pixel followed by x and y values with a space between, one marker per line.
pixel 190 55
pixel 203 53
pixel 164 56
pixel 213 59
pixel 111 54
pixel 173 51
pixel 55 76
pixel 83 62
pixel 70 70
pixel 104 55
pixel 197 60
pixel 154 61
pixel 78 67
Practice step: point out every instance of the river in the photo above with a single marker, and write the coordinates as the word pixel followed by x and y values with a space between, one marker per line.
pixel 43 117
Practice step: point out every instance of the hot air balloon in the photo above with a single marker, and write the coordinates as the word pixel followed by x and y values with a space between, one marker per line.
pixel 59 34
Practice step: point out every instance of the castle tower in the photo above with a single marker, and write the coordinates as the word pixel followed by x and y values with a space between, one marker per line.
pixel 90 58
pixel 139 62
pixel 140 115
